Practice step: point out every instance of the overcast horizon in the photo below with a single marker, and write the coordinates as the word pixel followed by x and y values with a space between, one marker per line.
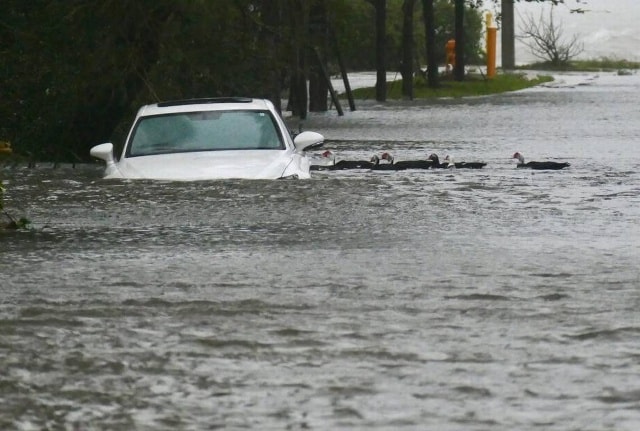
pixel 607 28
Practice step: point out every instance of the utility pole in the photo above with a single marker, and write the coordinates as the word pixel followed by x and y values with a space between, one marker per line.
pixel 508 36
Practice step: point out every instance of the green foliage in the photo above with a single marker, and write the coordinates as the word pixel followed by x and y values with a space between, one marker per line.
pixel 73 73
pixel 605 63
pixel 354 25
pixel 474 28
pixel 356 29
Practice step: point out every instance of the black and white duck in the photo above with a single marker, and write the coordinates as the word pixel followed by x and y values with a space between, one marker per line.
pixel 338 165
pixel 464 165
pixel 407 164
pixel 436 162
pixel 547 165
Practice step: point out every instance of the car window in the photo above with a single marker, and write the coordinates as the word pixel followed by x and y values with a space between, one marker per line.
pixel 205 131
pixel 154 135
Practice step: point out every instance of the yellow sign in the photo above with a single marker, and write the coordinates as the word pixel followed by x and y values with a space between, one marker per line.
pixel 5 147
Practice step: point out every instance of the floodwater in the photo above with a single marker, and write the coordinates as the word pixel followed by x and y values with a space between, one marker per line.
pixel 496 299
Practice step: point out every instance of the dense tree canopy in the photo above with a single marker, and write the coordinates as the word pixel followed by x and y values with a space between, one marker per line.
pixel 74 72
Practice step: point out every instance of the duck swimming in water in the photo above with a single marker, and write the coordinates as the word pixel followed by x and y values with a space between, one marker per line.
pixel 377 166
pixel 407 164
pixel 464 165
pixel 539 165
pixel 341 164
pixel 436 162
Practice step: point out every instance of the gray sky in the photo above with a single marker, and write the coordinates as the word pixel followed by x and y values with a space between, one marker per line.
pixel 607 28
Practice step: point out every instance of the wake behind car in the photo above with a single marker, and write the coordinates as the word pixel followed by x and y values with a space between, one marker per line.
pixel 205 139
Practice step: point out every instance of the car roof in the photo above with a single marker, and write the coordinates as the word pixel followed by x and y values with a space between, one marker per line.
pixel 205 104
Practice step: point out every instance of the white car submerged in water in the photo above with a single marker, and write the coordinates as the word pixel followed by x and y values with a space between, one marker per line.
pixel 205 139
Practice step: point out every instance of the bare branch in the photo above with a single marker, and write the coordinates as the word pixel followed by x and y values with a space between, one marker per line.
pixel 546 39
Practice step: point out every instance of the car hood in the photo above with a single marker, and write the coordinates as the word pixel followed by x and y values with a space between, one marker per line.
pixel 247 164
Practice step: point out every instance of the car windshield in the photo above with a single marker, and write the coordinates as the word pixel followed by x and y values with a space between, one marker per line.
pixel 205 131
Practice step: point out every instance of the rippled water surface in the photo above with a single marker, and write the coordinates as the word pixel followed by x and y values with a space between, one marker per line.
pixel 493 299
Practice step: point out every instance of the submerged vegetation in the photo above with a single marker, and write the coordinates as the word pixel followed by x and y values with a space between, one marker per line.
pixel 10 222
pixel 589 65
pixel 475 84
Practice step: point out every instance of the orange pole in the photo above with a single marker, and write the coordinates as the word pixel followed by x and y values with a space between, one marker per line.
pixel 491 46
pixel 491 52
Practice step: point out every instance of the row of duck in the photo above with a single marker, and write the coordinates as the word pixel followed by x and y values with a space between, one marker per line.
pixel 386 162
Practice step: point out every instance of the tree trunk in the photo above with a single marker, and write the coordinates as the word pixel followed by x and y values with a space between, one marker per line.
pixel 508 36
pixel 301 100
pixel 298 95
pixel 343 68
pixel 430 32
pixel 318 29
pixel 381 36
pixel 458 70
pixel 273 19
pixel 407 49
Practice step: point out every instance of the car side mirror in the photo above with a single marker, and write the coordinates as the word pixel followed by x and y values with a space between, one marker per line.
pixel 308 140
pixel 103 152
